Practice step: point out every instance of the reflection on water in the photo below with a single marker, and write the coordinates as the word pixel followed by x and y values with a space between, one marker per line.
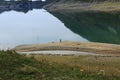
pixel 36 26
pixel 27 23
pixel 20 6
pixel 96 27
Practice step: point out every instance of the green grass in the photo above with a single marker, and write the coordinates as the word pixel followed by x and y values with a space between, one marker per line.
pixel 14 66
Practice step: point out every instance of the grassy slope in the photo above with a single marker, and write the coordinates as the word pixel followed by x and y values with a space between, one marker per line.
pixel 18 67
pixel 91 64
pixel 77 46
pixel 80 6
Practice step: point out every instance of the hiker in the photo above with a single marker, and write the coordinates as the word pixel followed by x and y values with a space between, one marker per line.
pixel 60 40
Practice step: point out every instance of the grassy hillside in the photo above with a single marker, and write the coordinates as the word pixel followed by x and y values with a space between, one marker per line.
pixel 83 5
pixel 18 67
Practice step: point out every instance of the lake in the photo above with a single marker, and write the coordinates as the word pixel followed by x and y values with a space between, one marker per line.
pixel 27 23
pixel 32 27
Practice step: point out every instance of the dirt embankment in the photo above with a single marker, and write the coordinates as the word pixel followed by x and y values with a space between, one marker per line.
pixel 80 6
pixel 100 48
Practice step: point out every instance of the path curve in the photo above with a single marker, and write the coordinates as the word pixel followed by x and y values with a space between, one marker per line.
pixel 59 52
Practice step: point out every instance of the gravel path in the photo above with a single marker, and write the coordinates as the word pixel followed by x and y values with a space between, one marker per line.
pixel 59 52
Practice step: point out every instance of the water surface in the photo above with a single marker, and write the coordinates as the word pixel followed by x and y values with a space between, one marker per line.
pixel 94 26
pixel 27 23
pixel 36 26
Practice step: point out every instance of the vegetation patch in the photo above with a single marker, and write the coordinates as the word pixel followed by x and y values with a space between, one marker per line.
pixel 14 66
